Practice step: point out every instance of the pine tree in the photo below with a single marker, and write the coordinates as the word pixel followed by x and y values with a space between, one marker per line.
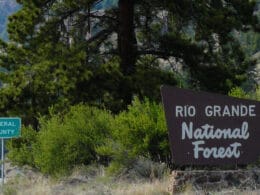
pixel 65 52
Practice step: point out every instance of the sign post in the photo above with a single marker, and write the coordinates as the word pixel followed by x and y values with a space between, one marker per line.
pixel 2 160
pixel 211 129
pixel 9 128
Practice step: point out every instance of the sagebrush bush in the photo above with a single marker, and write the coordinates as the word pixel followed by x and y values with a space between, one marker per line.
pixel 147 169
pixel 64 142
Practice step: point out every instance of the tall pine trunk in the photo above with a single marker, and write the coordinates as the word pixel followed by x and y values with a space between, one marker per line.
pixel 126 37
pixel 127 49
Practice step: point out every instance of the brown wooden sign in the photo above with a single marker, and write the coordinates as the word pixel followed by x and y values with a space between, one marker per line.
pixel 211 129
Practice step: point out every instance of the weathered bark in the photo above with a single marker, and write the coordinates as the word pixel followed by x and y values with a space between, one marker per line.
pixel 127 48
pixel 126 37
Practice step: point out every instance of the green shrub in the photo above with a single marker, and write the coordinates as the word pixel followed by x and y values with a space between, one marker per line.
pixel 65 142
pixel 20 150
pixel 142 129
pixel 256 94
pixel 86 135
pixel 139 131
pixel 239 93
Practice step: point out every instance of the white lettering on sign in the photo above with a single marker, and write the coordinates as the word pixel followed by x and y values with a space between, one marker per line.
pixel 7 124
pixel 7 132
pixel 233 110
pixel 209 132
pixel 200 134
pixel 184 111
pixel 216 152
pixel 217 111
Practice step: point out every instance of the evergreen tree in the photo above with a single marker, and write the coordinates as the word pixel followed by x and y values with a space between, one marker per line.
pixel 65 52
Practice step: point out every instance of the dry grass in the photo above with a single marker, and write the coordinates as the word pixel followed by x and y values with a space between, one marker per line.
pixel 148 188
pixel 94 181
pixel 91 181
pixel 102 185
pixel 44 186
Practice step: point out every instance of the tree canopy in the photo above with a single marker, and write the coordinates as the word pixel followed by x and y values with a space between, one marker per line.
pixel 65 52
